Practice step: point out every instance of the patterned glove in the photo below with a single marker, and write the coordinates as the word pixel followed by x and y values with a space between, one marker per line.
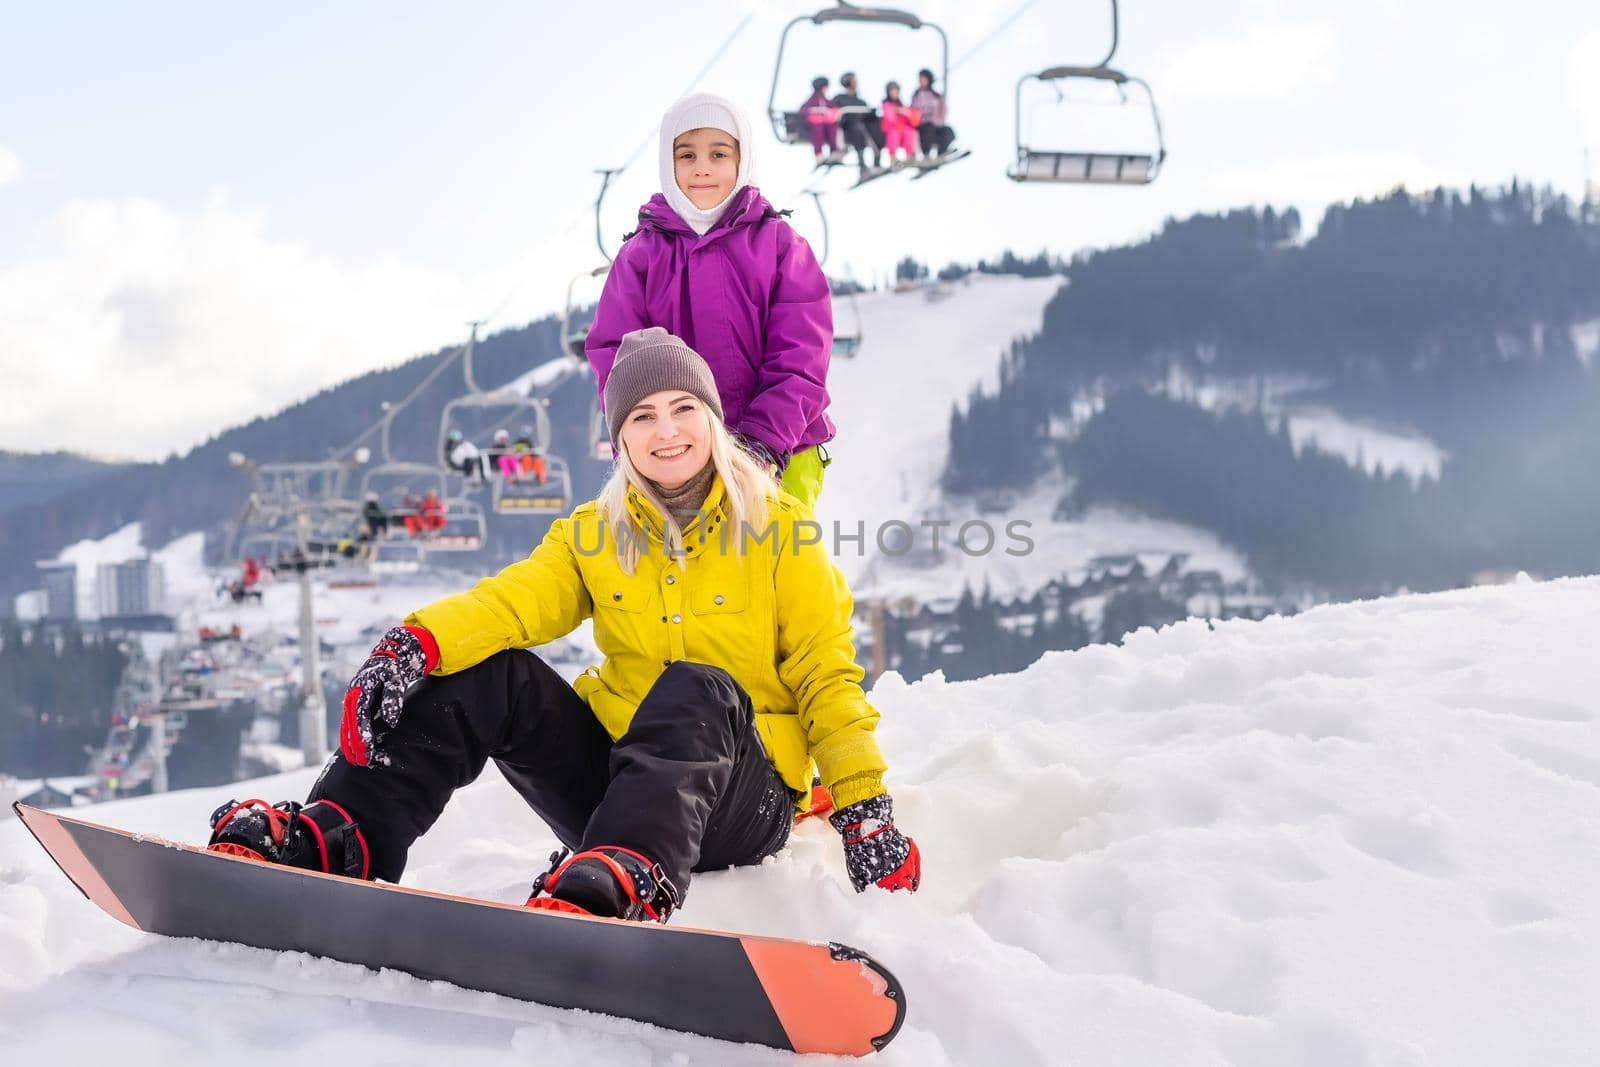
pixel 404 656
pixel 875 853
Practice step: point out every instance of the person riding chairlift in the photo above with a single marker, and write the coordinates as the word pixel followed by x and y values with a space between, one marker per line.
pixel 375 518
pixel 899 126
pixel 429 517
pixel 530 460
pixel 463 456
pixel 935 136
pixel 505 459
pixel 823 120
pixel 860 125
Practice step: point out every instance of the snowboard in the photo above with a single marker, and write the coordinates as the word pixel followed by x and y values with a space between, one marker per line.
pixel 802 996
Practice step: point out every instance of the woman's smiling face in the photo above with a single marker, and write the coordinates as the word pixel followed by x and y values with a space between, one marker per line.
pixel 667 436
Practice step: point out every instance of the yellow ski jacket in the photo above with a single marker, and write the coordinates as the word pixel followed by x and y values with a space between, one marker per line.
pixel 776 618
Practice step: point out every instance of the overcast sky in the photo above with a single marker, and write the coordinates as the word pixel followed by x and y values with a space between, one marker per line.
pixel 207 211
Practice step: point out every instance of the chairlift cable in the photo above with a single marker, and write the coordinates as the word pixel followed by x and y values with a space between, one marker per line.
pixel 715 56
pixel 1004 24
pixel 643 144
pixel 433 374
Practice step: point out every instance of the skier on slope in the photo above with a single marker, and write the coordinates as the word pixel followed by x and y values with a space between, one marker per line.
pixel 713 263
pixel 728 675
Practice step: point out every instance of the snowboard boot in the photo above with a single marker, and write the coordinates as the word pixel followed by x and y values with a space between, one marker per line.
pixel 319 836
pixel 608 881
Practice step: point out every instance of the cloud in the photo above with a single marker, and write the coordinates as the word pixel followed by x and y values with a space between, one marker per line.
pixel 10 167
pixel 1266 62
pixel 142 331
pixel 1583 80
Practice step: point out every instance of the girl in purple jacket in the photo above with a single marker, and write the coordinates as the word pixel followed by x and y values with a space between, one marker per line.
pixel 715 264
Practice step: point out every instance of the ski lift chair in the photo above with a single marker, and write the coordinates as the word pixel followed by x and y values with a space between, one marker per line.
pixel 464 530
pixel 395 482
pixel 268 546
pixel 396 557
pixel 528 497
pixel 1086 167
pixel 599 433
pixel 847 345
pixel 515 410
pixel 790 127
pixel 573 335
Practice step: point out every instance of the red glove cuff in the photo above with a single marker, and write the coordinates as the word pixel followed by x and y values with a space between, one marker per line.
pixel 430 647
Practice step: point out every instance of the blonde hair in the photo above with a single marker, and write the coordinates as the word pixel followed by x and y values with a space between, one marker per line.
pixel 747 485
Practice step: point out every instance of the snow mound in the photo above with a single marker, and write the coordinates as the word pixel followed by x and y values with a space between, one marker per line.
pixel 1364 835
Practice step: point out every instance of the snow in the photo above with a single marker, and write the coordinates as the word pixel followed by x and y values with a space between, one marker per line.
pixel 544 376
pixel 183 569
pixel 1586 340
pixel 1027 556
pixel 892 403
pixel 1363 835
pixel 1368 444
pixel 1374 448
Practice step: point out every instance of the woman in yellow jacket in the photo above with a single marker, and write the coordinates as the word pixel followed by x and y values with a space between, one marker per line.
pixel 728 680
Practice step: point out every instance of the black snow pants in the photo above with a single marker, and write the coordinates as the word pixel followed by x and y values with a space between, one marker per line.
pixel 935 140
pixel 858 131
pixel 688 785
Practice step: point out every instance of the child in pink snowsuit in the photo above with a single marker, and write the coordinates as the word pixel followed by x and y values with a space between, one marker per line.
pixel 899 124
pixel 505 459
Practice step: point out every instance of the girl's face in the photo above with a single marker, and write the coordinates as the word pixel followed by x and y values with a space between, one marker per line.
pixel 667 436
pixel 706 164
pixel 893 91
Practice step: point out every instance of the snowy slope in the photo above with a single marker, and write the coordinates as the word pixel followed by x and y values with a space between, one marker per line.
pixel 1364 835
pixel 892 408
pixel 891 403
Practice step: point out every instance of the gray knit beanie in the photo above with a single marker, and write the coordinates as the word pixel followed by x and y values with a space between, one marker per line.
pixel 648 361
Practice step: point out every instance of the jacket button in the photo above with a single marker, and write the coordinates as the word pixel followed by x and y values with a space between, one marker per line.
pixel 677 618
pixel 663 618
pixel 616 596
pixel 717 599
pixel 671 578
pixel 666 663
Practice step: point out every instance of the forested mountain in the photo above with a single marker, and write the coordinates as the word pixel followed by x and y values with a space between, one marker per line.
pixel 1469 316
pixel 30 477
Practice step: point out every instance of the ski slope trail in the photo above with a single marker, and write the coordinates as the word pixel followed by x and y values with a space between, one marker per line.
pixel 1363 835
pixel 891 403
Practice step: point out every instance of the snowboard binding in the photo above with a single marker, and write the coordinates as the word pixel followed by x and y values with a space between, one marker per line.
pixel 319 836
pixel 608 881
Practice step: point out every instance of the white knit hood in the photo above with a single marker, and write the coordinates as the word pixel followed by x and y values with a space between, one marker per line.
pixel 704 110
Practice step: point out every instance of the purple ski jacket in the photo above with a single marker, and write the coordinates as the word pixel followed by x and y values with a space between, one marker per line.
pixel 748 296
